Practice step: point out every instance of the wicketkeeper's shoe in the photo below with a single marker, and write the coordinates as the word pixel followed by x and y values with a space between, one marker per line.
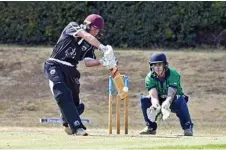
pixel 188 132
pixel 148 130
pixel 81 132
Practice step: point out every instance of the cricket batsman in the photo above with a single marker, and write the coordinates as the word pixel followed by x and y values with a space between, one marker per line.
pixel 76 43
pixel 165 96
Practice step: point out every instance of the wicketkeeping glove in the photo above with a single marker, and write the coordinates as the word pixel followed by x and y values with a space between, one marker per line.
pixel 165 108
pixel 152 112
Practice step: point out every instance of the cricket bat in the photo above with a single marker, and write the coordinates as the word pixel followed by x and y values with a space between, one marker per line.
pixel 119 83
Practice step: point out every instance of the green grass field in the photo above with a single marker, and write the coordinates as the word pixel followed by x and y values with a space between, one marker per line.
pixel 54 138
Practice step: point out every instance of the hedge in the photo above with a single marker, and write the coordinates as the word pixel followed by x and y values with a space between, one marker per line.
pixel 127 24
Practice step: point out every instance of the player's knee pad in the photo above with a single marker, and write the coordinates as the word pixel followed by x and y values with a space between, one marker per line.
pixel 178 103
pixel 62 93
pixel 145 101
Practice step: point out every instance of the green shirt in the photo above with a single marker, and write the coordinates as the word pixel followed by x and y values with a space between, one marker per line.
pixel 172 79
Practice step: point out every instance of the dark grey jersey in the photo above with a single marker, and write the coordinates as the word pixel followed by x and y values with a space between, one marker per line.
pixel 71 48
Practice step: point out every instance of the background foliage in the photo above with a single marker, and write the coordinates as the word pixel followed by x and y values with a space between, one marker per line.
pixel 127 24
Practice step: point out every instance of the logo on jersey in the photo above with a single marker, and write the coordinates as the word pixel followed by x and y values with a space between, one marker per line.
pixel 70 52
pixel 85 46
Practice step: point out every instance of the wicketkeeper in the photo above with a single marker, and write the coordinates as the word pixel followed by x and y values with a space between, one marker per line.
pixel 165 96
pixel 76 43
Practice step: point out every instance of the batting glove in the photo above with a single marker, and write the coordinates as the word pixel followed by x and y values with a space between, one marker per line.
pixel 103 61
pixel 108 63
pixel 109 53
pixel 102 48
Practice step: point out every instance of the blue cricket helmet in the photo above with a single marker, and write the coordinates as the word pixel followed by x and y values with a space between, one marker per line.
pixel 158 58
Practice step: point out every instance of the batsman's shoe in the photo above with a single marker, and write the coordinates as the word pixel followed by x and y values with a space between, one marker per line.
pixel 188 132
pixel 68 130
pixel 148 130
pixel 80 109
pixel 81 132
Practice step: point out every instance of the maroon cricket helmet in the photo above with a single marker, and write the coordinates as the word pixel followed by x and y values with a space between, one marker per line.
pixel 95 21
